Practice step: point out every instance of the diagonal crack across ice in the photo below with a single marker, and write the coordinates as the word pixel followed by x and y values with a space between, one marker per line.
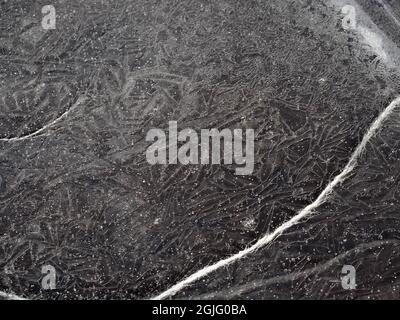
pixel 305 212
pixel 49 125
pixel 10 296
pixel 237 291
pixel 389 11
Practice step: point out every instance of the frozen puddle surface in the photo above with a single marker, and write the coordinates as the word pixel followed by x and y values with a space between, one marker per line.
pixel 77 195
pixel 304 213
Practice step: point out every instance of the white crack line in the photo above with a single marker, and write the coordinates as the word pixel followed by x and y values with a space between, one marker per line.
pixel 389 11
pixel 10 296
pixel 305 212
pixel 237 291
pixel 49 125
